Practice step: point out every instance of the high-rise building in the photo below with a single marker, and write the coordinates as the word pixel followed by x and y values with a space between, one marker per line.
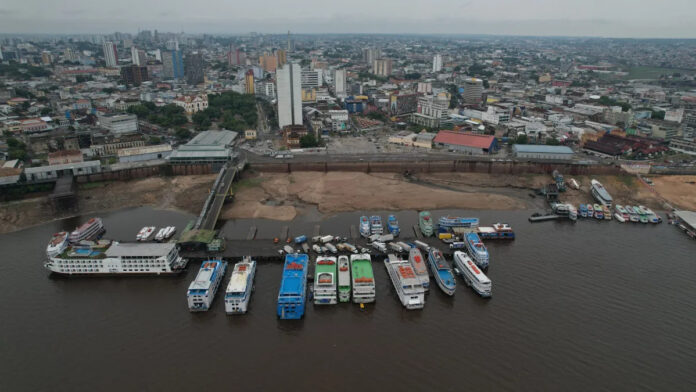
pixel 235 56
pixel 249 82
pixel 289 92
pixel 268 62
pixel 437 63
pixel 134 74
pixel 291 43
pixel 172 64
pixel 193 68
pixel 110 54
pixel 382 67
pixel 371 54
pixel 46 58
pixel 340 82
pixel 138 56
pixel 310 78
pixel 473 90
pixel 281 57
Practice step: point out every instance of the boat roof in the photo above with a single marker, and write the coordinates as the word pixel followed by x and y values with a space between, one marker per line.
pixel 474 270
pixel 294 274
pixel 134 249
pixel 405 271
pixel 361 266
pixel 240 275
pixel 325 264
pixel 688 217
pixel 206 275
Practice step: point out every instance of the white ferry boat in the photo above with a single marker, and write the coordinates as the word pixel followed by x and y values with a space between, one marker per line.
pixel 239 287
pixel 107 257
pixel 202 290
pixel 89 230
pixel 57 244
pixel 343 279
pixel 408 287
pixel 419 267
pixel 600 193
pixel 325 281
pixel 165 233
pixel 472 275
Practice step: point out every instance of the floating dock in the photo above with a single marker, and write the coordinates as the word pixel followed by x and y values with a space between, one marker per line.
pixel 544 218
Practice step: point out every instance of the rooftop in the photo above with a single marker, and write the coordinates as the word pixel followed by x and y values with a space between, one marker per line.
pixel 464 139
pixel 688 217
pixel 534 148
pixel 130 249
pixel 213 138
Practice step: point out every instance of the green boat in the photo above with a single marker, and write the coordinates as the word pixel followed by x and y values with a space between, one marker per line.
pixel 343 279
pixel 325 281
pixel 425 222
pixel 363 278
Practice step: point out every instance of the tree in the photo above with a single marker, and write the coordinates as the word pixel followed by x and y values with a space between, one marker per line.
pixel 152 140
pixel 46 111
pixel 521 139
pixel 182 134
pixel 308 141
pixel 552 141
pixel 659 115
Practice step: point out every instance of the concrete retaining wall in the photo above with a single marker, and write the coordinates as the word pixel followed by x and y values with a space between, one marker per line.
pixel 439 167
pixel 148 171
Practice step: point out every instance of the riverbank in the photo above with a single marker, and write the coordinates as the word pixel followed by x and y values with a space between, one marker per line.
pixel 182 193
pixel 282 196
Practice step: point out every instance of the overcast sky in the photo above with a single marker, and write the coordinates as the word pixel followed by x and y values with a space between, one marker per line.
pixel 613 18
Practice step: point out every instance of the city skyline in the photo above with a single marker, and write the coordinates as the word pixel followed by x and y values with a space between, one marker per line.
pixel 620 19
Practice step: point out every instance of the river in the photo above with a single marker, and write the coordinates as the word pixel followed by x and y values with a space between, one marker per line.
pixel 586 306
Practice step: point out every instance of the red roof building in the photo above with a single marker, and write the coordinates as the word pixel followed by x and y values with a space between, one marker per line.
pixel 470 143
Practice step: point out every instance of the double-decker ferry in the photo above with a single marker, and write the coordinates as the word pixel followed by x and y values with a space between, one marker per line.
pixel 477 250
pixel 456 221
pixel 325 281
pixel 407 285
pixel 343 278
pixel 106 257
pixel 364 226
pixel 376 224
pixel 600 193
pixel 421 270
pixel 441 271
pixel 393 225
pixel 202 290
pixel 363 278
pixel 238 292
pixel 425 222
pixel 293 288
pixel 89 230
pixel 472 275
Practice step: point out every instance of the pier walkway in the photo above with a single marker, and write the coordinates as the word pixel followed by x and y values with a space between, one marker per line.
pixel 217 197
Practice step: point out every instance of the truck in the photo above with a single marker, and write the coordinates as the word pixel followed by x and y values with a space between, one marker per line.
pixel 288 249
pixel 316 248
pixel 331 248
pixel 395 247
pixel 305 247
pixel 458 245
pixel 380 246
pixel 300 239
pixel 406 247
pixel 326 238
pixel 444 236
pixel 422 245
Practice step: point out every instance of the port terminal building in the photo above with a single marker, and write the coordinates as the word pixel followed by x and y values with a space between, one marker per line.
pixel 207 147
pixel 467 143
pixel 533 151
pixel 686 220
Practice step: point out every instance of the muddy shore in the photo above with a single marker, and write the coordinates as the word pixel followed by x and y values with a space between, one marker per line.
pixel 282 196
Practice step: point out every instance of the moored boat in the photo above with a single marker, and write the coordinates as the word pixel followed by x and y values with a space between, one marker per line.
pixel 600 193
pixel 238 292
pixel 499 231
pixel 425 222
pixel 572 212
pixel 477 250
pixel 408 287
pixel 456 221
pixel 145 233
pixel 363 278
pixel 590 211
pixel 57 244
pixel 376 224
pixel 292 295
pixel 364 226
pixel 441 271
pixel 619 217
pixel 202 290
pixel 633 214
pixel 393 225
pixel 607 212
pixel 472 275
pixel 583 211
pixel 421 270
pixel 89 230
pixel 343 279
pixel 598 212
pixel 325 281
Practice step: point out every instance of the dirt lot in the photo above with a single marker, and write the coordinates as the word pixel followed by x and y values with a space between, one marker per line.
pixel 680 191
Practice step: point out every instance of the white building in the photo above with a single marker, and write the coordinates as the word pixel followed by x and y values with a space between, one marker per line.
pixel 119 123
pixel 340 82
pixel 192 103
pixel 110 54
pixel 339 120
pixel 437 63
pixel 473 90
pixel 310 78
pixel 289 90
pixel 425 88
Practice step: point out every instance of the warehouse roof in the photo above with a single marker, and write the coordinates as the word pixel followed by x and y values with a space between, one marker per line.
pixel 688 217
pixel 213 138
pixel 534 148
pixel 464 139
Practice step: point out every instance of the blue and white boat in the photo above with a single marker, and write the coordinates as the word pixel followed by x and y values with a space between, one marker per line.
pixel 455 221
pixel 472 275
pixel 583 211
pixel 441 271
pixel 201 291
pixel 477 250
pixel 376 224
pixel 393 225
pixel 292 296
pixel 364 226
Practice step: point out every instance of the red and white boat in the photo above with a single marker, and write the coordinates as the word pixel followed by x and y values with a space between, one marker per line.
pixel 145 233
pixel 89 230
pixel 57 244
